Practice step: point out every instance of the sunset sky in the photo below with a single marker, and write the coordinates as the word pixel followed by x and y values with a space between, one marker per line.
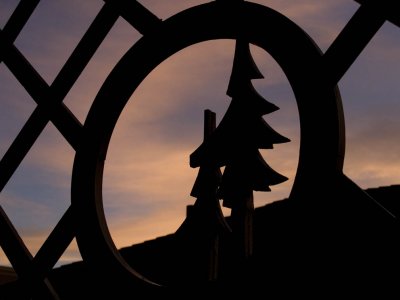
pixel 147 178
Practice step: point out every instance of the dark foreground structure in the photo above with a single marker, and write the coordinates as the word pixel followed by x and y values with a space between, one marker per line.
pixel 351 250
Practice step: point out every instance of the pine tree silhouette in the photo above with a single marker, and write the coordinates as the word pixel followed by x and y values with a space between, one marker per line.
pixel 205 223
pixel 235 144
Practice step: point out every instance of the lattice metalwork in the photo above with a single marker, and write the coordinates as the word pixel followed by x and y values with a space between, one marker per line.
pixel 215 20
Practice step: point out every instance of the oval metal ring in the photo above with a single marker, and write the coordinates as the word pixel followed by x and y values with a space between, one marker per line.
pixel 319 107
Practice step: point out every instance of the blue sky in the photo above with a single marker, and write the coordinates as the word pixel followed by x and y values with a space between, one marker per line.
pixel 147 178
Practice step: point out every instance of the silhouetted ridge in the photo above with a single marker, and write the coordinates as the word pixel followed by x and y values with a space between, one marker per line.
pixel 293 249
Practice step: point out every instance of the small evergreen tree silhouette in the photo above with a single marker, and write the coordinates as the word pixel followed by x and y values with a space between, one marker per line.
pixel 205 223
pixel 235 144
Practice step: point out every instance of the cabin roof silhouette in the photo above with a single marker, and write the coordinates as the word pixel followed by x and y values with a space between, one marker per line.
pixel 283 257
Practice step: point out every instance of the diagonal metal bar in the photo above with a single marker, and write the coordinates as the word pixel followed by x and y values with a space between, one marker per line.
pixel 350 43
pixel 21 145
pixel 84 51
pixel 38 89
pixel 20 257
pixel 19 18
pixel 68 75
pixel 136 14
pixel 55 245
pixel 60 115
pixel 12 245
pixel 388 8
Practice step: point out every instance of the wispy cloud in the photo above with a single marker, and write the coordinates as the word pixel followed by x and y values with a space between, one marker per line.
pixel 147 178
pixel 322 20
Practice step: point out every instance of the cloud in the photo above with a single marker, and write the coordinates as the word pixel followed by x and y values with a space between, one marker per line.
pixel 7 8
pixel 370 93
pixel 147 178
pixel 129 231
pixel 16 107
pixel 322 20
pixel 121 37
pixel 44 39
pixel 33 221
pixel 34 242
pixel 164 9
pixel 372 156
pixel 22 208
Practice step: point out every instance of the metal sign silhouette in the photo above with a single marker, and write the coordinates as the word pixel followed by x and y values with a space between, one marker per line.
pixel 313 76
